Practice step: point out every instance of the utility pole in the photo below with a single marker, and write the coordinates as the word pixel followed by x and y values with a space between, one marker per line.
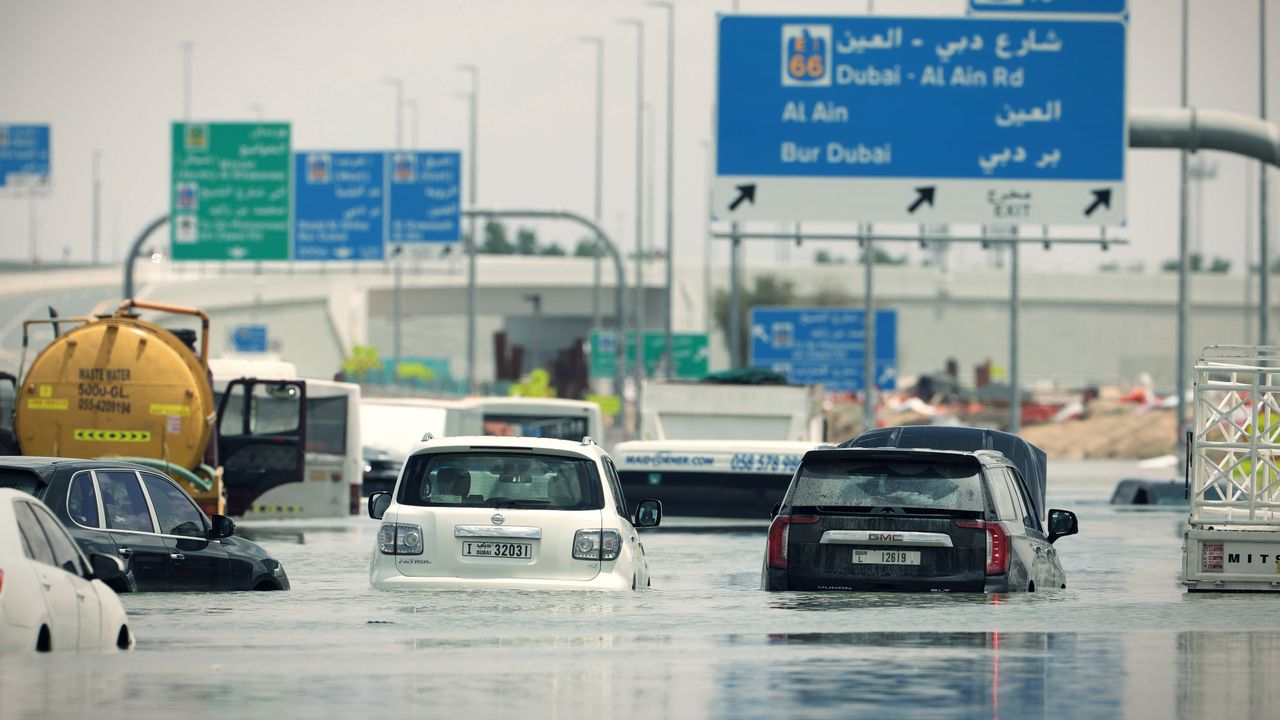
pixel 397 253
pixel 669 306
pixel 638 370
pixel 97 207
pixel 598 207
pixel 474 72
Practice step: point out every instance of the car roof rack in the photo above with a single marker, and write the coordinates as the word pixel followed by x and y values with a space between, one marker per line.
pixel 586 440
pixel 427 437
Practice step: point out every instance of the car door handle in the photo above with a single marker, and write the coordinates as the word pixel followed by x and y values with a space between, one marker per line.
pixel 177 557
pixel 82 595
pixel 125 552
pixel 47 586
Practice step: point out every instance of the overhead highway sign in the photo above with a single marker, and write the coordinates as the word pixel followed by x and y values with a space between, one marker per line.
pixel 229 198
pixel 24 158
pixel 339 205
pixel 824 346
pixel 921 120
pixel 426 198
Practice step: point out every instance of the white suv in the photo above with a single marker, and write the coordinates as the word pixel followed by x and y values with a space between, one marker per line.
pixel 509 512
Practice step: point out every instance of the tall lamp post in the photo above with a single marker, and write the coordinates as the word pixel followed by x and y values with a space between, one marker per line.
pixel 598 207
pixel 474 72
pixel 397 300
pixel 412 106
pixel 638 370
pixel 669 348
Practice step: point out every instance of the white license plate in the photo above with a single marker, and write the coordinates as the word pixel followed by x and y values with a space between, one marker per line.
pixel 886 557
pixel 518 550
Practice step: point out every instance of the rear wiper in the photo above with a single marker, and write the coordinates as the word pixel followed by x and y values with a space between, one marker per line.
pixel 514 503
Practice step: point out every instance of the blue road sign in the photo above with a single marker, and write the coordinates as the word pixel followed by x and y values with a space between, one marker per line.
pixel 338 205
pixel 824 346
pixel 249 338
pixel 24 157
pixel 426 197
pixel 1082 7
pixel 921 119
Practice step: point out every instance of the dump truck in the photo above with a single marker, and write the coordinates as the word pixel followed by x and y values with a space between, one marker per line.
pixel 1232 537
pixel 115 385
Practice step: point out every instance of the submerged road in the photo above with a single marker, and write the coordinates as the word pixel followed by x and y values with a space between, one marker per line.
pixel 1123 640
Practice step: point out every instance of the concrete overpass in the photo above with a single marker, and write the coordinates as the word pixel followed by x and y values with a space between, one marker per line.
pixel 1076 328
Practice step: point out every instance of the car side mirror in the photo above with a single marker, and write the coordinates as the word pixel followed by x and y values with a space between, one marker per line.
pixel 223 526
pixel 378 504
pixel 1062 523
pixel 648 514
pixel 106 567
pixel 777 508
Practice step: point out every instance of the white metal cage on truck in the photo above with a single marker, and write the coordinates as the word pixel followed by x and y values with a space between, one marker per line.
pixel 1232 541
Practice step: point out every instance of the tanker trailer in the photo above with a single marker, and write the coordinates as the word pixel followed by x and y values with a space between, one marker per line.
pixel 119 386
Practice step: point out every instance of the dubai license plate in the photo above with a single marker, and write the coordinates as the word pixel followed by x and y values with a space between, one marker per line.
pixel 886 557
pixel 518 550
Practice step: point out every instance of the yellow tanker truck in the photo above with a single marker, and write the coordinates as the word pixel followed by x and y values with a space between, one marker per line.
pixel 119 386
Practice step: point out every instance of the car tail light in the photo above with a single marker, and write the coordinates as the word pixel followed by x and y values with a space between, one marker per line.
pixel 591 544
pixel 779 534
pixel 997 544
pixel 399 539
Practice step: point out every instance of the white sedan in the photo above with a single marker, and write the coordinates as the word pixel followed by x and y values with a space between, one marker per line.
pixel 51 597
pixel 509 512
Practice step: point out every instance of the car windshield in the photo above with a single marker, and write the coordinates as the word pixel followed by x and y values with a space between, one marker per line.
pixel 502 480
pixel 868 484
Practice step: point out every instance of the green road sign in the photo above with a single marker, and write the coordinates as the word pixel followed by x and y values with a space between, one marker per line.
pixel 690 351
pixel 230 191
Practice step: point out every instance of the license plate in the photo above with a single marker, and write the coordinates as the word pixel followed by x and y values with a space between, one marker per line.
pixel 516 550
pixel 886 557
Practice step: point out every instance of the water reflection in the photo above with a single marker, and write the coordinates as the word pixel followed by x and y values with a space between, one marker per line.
pixel 926 675
pixel 1228 674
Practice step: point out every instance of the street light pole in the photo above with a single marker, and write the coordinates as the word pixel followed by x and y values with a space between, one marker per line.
pixel 474 72
pixel 186 81
pixel 669 307
pixel 412 106
pixel 638 370
pixel 397 299
pixel 97 206
pixel 1264 302
pixel 1180 372
pixel 598 207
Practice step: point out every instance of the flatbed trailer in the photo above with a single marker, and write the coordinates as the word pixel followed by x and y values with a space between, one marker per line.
pixel 1232 540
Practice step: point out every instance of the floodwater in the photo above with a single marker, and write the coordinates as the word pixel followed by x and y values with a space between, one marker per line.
pixel 1123 640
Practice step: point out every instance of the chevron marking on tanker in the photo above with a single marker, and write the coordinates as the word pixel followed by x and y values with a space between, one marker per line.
pixel 137 436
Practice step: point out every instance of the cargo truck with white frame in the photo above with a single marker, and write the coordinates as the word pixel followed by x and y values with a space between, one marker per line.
pixel 1232 540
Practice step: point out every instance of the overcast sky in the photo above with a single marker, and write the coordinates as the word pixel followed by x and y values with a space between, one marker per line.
pixel 108 76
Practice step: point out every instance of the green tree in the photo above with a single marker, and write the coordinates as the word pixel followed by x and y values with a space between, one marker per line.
pixel 553 249
pixel 767 291
pixel 495 239
pixel 587 248
pixel 526 242
pixel 882 258
pixel 1220 266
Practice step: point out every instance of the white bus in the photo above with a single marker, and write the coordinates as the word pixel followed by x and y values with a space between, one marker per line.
pixel 710 478
pixel 394 425
pixel 333 464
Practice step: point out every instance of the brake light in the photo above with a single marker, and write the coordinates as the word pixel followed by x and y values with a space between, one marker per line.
pixel 779 535
pixel 592 544
pixel 997 544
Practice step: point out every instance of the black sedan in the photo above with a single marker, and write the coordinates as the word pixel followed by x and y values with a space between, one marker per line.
pixel 142 516
pixel 905 518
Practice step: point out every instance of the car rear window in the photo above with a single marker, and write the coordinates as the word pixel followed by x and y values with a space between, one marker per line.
pixel 23 480
pixel 502 479
pixel 876 483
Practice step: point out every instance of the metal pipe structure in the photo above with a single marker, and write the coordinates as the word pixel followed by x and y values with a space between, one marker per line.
pixel 397 304
pixel 1264 306
pixel 1205 129
pixel 97 207
pixel 669 308
pixel 1015 390
pixel 869 334
pixel 735 295
pixel 471 232
pixel 1104 242
pixel 638 371
pixel 133 252
pixel 597 320
pixel 620 282
pixel 1180 372
pixel 412 106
